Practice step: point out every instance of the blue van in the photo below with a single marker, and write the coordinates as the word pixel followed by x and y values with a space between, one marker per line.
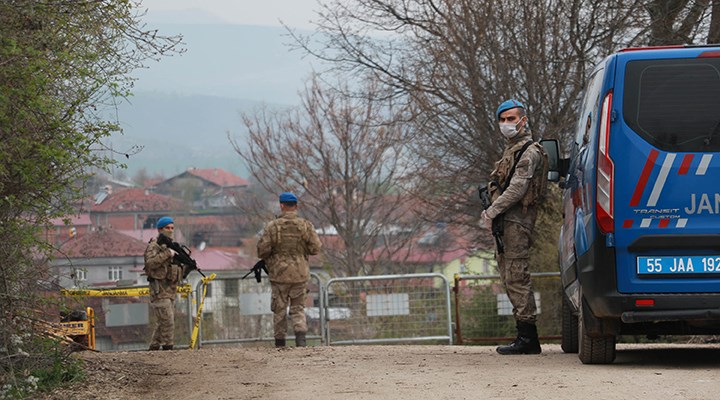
pixel 639 248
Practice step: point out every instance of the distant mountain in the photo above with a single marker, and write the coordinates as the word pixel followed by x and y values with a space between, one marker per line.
pixel 177 132
pixel 190 120
pixel 235 61
pixel 184 105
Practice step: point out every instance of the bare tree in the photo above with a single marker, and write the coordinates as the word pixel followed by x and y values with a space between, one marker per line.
pixel 453 61
pixel 714 28
pixel 344 157
pixel 675 21
pixel 450 62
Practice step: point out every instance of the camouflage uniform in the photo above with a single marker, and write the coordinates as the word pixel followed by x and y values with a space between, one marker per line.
pixel 285 246
pixel 517 203
pixel 163 277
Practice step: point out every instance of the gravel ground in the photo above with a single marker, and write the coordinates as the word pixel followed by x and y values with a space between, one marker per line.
pixel 656 371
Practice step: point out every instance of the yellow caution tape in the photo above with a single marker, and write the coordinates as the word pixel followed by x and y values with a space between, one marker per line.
pixel 196 325
pixel 119 292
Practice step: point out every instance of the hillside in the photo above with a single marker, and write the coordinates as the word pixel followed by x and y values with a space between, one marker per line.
pixel 177 132
pixel 183 106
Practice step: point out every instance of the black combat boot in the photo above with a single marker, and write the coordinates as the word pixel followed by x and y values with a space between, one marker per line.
pixel 167 347
pixel 279 343
pixel 154 347
pixel 300 339
pixel 527 341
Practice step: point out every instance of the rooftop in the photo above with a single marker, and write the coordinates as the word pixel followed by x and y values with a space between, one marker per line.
pixel 128 200
pixel 104 242
pixel 218 177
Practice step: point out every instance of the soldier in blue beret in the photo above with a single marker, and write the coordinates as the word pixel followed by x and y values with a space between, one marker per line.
pixel 517 186
pixel 163 276
pixel 285 245
pixel 288 197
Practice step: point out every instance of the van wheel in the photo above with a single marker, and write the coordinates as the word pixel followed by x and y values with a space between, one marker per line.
pixel 569 332
pixel 593 349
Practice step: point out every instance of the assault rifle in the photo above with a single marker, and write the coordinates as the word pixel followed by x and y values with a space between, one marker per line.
pixel 498 223
pixel 182 255
pixel 257 269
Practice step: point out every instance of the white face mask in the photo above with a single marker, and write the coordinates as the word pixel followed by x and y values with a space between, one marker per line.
pixel 510 130
pixel 168 233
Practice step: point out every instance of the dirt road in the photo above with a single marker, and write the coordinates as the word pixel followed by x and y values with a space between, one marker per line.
pixel 399 372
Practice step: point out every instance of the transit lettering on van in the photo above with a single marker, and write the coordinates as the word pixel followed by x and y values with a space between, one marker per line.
pixel 703 204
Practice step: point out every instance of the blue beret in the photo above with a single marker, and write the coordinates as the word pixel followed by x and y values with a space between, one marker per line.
pixel 164 221
pixel 508 105
pixel 288 197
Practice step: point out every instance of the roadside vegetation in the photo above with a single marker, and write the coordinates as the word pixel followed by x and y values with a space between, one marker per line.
pixel 62 66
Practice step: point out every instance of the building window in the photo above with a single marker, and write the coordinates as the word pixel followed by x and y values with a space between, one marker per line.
pixel 114 273
pixel 79 274
pixel 209 290
pixel 232 288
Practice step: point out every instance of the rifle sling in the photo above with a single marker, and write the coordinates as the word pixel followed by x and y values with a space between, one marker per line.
pixel 517 158
pixel 498 222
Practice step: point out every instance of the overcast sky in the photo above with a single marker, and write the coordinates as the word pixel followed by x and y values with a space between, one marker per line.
pixel 295 13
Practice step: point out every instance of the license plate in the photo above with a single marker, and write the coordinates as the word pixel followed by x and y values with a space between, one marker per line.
pixel 678 265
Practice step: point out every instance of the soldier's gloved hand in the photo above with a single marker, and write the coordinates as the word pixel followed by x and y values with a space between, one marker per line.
pixel 485 220
pixel 173 253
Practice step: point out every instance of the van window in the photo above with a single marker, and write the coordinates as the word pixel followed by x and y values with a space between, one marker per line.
pixel 583 132
pixel 674 104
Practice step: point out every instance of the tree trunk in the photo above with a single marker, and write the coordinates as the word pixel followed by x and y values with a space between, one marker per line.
pixel 714 32
pixel 663 14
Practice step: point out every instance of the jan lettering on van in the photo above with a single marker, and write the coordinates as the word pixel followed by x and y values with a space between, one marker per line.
pixel 659 213
pixel 702 204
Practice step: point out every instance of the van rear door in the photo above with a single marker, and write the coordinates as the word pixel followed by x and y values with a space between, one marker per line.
pixel 664 142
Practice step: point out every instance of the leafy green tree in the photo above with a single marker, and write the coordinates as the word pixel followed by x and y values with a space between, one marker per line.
pixel 62 64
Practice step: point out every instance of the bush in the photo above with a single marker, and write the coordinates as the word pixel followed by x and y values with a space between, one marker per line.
pixel 61 63
pixel 39 364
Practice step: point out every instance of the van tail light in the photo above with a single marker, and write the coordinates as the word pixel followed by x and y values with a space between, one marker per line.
pixel 644 302
pixel 605 172
pixel 672 46
pixel 710 54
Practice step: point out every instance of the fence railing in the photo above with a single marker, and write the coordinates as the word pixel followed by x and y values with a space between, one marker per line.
pixel 483 313
pixel 124 319
pixel 237 310
pixel 388 309
pixel 407 308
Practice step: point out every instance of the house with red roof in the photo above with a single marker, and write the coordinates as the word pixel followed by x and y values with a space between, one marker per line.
pixel 215 229
pixel 211 195
pixel 100 258
pixel 60 232
pixel 434 249
pixel 131 209
pixel 204 189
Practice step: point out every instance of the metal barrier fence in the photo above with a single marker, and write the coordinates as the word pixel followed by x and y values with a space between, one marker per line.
pixel 388 309
pixel 483 313
pixel 354 310
pixel 124 320
pixel 237 310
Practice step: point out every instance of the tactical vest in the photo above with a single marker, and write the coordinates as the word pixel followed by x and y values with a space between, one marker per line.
pixel 538 186
pixel 289 237
pixel 162 271
pixel 505 168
